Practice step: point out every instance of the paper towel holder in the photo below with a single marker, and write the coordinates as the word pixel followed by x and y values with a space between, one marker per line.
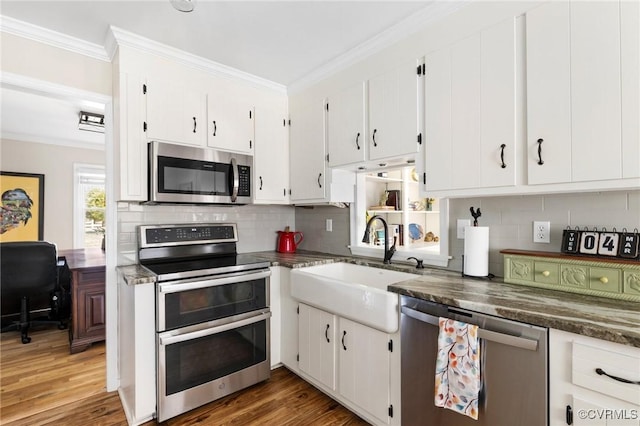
pixel 489 277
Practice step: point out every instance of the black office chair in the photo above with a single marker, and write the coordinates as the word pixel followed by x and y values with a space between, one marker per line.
pixel 31 292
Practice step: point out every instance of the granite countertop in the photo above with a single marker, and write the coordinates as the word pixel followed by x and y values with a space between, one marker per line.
pixel 607 319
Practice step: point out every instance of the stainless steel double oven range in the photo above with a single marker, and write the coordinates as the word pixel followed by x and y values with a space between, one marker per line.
pixel 212 314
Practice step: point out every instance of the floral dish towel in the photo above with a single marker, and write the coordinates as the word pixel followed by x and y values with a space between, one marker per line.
pixel 458 379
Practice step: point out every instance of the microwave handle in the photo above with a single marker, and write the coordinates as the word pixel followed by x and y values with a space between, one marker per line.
pixel 236 180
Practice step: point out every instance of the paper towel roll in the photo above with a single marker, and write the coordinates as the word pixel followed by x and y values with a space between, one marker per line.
pixel 476 251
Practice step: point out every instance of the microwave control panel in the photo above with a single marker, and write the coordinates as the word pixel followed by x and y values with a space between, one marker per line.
pixel 244 178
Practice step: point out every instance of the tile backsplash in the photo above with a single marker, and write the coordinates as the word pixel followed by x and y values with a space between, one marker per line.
pixel 510 220
pixel 257 225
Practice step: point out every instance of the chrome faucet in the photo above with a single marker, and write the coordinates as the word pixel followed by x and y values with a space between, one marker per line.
pixel 388 251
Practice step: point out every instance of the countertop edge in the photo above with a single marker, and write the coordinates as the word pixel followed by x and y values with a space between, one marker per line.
pixel 600 318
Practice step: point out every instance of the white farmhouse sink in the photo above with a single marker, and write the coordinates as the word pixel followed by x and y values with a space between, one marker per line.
pixel 356 292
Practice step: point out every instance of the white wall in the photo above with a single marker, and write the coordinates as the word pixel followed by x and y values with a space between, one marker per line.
pixel 32 59
pixel 56 163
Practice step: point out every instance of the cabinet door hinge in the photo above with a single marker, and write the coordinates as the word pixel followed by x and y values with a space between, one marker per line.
pixel 284 192
pixel 327 104
pixel 424 178
pixel 144 126
pixel 144 89
pixel 298 357
pixel 420 138
pixel 250 144
pixel 391 411
pixel 390 345
pixel 327 158
pixel 298 310
pixel 422 69
pixel 250 115
pixel 419 70
pixel 284 122
pixel 289 191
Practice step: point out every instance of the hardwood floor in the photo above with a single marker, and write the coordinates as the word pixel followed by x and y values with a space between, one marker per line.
pixel 42 384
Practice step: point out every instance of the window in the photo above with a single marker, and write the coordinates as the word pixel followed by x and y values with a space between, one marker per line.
pixel 418 224
pixel 89 206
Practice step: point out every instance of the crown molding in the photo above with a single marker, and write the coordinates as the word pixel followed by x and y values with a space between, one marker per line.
pixel 420 20
pixel 129 39
pixel 52 38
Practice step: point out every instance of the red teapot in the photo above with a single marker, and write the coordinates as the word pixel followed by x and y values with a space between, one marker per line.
pixel 287 241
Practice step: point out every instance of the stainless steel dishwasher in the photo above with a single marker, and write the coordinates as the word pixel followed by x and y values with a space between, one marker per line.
pixel 513 368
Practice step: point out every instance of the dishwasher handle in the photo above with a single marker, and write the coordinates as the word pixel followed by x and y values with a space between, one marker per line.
pixel 492 336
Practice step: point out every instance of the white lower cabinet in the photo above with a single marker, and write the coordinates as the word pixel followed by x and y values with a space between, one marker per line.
pixel 578 395
pixel 288 319
pixel 351 362
pixel 316 340
pixel 364 368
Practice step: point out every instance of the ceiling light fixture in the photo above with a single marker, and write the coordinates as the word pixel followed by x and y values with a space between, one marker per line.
pixel 91 122
pixel 183 5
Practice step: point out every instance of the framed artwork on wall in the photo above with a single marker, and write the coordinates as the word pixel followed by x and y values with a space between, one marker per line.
pixel 21 206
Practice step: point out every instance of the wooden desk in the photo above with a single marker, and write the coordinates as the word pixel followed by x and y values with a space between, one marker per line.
pixel 88 312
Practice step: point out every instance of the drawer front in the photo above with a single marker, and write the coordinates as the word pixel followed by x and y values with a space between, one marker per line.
pixel 605 279
pixel 631 282
pixel 546 272
pixel 91 276
pixel 623 364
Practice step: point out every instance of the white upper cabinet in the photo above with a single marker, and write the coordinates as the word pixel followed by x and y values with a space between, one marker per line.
pixel 311 181
pixel 581 59
pixel 175 113
pixel 393 112
pixel 271 159
pixel 307 149
pixel 549 94
pixel 129 118
pixel 346 126
pixel 230 123
pixel 470 112
pixel 630 84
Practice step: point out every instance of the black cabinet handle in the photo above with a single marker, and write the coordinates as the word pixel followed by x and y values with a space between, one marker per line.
pixel 260 183
pixel 326 334
pixel 215 127
pixel 344 333
pixel 374 137
pixel 319 177
pixel 194 124
pixel 569 415
pixel 358 137
pixel 601 372
pixel 502 147
pixel 540 162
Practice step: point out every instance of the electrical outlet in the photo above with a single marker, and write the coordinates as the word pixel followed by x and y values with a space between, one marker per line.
pixel 541 232
pixel 460 227
pixel 329 225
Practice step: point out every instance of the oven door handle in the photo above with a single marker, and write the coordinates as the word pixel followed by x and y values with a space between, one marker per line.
pixel 171 339
pixel 173 287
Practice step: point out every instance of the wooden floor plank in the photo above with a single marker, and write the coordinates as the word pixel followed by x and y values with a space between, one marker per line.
pixel 42 384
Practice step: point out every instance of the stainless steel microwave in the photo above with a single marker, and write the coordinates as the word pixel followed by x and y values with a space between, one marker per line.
pixel 191 175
